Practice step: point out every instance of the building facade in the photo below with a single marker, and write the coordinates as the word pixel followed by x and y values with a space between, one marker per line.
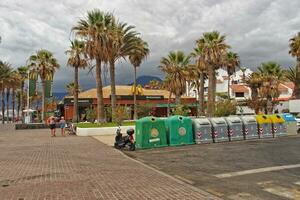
pixel 157 100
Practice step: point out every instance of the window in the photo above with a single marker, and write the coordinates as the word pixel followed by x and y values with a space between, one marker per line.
pixel 239 94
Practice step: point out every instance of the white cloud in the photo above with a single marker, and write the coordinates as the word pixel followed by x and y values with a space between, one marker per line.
pixel 258 30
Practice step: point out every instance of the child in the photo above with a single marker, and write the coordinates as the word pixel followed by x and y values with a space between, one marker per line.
pixel 62 123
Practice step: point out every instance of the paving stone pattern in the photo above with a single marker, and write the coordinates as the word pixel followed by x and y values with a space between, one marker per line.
pixel 35 166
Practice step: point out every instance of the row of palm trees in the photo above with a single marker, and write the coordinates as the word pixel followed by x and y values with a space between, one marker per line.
pixel 211 53
pixel 11 86
pixel 102 39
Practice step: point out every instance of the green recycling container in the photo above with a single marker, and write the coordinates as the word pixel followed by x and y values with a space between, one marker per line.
pixel 179 130
pixel 150 132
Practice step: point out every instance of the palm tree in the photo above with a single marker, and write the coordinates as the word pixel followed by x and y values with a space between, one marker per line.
pixel 214 47
pixel 94 29
pixel 290 74
pixel 15 84
pixel 295 52
pixel 5 74
pixel 23 75
pixel 200 74
pixel 43 63
pixel 231 62
pixel 272 74
pixel 136 56
pixel 271 68
pixel 77 60
pixel 121 42
pixel 255 82
pixel 72 88
pixel 155 84
pixel 174 66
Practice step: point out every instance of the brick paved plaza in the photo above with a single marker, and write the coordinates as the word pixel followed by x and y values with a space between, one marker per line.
pixel 35 166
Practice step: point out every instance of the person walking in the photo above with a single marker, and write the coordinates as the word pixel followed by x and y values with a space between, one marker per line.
pixel 51 124
pixel 62 123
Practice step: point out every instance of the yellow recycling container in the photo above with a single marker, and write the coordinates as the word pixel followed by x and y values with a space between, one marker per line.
pixel 279 126
pixel 264 123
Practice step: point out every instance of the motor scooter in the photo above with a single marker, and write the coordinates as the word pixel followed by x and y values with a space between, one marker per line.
pixel 125 142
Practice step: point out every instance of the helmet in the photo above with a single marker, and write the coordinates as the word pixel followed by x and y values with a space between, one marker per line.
pixel 130 131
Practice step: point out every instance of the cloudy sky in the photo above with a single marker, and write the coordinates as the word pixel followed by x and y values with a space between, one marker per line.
pixel 258 30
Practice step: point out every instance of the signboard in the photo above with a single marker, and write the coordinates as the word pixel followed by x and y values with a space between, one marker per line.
pixel 139 97
pixel 80 101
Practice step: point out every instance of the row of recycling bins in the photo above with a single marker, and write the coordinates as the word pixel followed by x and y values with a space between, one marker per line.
pixel 179 130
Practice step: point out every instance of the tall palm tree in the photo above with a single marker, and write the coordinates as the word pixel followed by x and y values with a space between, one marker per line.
pixel 5 74
pixel 231 62
pixel 121 41
pixel 295 52
pixel 94 29
pixel 77 59
pixel 214 47
pixel 43 63
pixel 136 56
pixel 200 74
pixel 255 82
pixel 15 84
pixel 174 66
pixel 22 71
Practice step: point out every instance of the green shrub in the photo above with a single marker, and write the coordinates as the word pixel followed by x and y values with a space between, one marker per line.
pixel 91 114
pixel 143 111
pixel 225 108
pixel 120 114
pixel 181 110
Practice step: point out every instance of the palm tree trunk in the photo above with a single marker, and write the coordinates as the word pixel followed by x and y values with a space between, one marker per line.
pixel 21 99
pixel 228 86
pixel 18 107
pixel 113 89
pixel 7 104
pixel 201 94
pixel 177 99
pixel 100 102
pixel 75 109
pixel 3 105
pixel 43 99
pixel 210 92
pixel 13 104
pixel 135 115
pixel 169 102
pixel 297 81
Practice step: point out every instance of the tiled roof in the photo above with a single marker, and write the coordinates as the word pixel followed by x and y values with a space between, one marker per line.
pixel 123 90
pixel 282 87
pixel 290 85
pixel 239 88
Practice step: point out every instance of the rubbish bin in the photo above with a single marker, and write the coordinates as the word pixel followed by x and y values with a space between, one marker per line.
pixel 278 123
pixel 179 130
pixel 264 126
pixel 249 127
pixel 220 129
pixel 202 130
pixel 150 132
pixel 291 123
pixel 235 128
